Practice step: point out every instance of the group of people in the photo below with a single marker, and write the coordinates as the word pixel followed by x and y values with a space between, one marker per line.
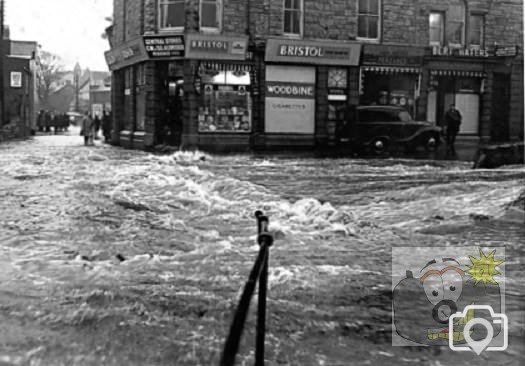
pixel 90 128
pixel 52 122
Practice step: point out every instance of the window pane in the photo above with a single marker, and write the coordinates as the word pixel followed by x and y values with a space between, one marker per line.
pixel 372 27
pixel 287 4
pixel 362 25
pixel 296 4
pixel 436 28
pixel 209 15
pixel 287 22
pixel 373 7
pixel 455 32
pixel 363 6
pixel 296 22
pixel 476 30
pixel 172 15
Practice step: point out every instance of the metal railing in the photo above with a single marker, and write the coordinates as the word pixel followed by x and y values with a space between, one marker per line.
pixel 258 272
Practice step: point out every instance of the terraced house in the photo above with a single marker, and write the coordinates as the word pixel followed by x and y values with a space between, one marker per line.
pixel 251 74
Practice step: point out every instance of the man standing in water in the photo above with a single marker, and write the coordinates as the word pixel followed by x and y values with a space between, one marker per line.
pixel 87 129
pixel 452 121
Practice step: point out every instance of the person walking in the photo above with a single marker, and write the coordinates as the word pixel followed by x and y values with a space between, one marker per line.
pixel 96 122
pixel 452 121
pixel 87 129
pixel 106 126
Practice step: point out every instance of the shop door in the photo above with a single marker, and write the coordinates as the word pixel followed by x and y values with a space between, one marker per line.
pixel 174 111
pixel 499 130
pixel 468 105
pixel 336 119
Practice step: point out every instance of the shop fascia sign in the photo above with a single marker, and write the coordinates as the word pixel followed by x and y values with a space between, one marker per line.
pixel 165 46
pixel 127 54
pixel 493 51
pixel 313 52
pixel 392 56
pixel 216 47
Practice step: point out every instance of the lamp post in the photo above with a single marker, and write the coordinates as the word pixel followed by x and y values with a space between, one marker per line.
pixel 77 72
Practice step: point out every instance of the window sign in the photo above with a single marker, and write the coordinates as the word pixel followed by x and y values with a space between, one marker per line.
pixel 293 17
pixel 210 14
pixel 16 79
pixel 368 21
pixel 171 14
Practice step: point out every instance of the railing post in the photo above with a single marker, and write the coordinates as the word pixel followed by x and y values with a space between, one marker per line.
pixel 264 241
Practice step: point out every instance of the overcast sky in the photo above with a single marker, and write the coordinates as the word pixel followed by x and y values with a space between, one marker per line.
pixel 70 28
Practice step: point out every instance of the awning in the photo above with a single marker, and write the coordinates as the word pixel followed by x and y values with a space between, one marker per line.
pixel 472 74
pixel 226 66
pixel 391 69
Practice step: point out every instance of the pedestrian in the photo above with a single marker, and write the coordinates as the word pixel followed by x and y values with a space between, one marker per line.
pixel 47 122
pixel 96 122
pixel 87 129
pixel 106 126
pixel 452 122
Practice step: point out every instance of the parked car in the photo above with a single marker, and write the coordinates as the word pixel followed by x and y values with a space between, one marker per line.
pixel 379 128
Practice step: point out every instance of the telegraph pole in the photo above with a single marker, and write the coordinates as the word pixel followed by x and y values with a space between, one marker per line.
pixel 2 57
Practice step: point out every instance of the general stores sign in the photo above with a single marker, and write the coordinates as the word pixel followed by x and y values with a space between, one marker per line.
pixel 127 54
pixel 164 46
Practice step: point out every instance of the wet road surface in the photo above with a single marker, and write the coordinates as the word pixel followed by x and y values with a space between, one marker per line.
pixel 118 257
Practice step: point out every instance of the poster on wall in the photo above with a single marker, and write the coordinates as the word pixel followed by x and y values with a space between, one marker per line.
pixel 16 79
pixel 290 100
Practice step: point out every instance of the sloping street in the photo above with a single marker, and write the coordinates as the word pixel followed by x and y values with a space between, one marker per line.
pixel 120 257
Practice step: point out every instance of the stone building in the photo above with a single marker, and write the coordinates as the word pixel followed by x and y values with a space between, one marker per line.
pixel 250 74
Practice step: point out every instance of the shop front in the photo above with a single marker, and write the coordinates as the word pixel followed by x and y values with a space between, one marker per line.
pixel 391 75
pixel 477 82
pixel 307 90
pixel 221 107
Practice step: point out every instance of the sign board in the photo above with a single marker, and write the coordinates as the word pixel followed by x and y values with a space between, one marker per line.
pixel 216 47
pixel 313 52
pixel 127 54
pixel 164 46
pixel 16 79
pixel 462 52
pixel 290 99
pixel 386 55
pixel 506 51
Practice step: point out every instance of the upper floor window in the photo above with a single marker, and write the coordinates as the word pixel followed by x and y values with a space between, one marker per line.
pixel 437 28
pixel 210 14
pixel 368 19
pixel 293 17
pixel 476 30
pixel 171 14
pixel 456 24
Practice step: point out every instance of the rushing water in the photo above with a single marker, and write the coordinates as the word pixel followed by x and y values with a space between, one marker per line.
pixel 118 257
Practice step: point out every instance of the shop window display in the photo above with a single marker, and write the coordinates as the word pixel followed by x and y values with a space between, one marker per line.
pixel 226 103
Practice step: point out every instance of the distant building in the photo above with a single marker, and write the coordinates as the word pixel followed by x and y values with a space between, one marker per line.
pixel 20 92
pixel 236 74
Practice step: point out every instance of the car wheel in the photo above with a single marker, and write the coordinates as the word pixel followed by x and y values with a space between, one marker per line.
pixel 379 146
pixel 431 142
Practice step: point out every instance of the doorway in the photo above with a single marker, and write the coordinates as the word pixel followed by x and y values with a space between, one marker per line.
pixel 499 130
pixel 174 111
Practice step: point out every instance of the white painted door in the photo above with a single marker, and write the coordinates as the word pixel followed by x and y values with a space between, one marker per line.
pixel 468 106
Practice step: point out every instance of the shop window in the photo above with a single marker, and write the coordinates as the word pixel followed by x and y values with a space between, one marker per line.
pixel 368 19
pixel 476 30
pixel 293 17
pixel 456 25
pixel 171 14
pixel 226 102
pixel 437 28
pixel 210 15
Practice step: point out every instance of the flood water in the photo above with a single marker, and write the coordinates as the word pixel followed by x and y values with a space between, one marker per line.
pixel 117 257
